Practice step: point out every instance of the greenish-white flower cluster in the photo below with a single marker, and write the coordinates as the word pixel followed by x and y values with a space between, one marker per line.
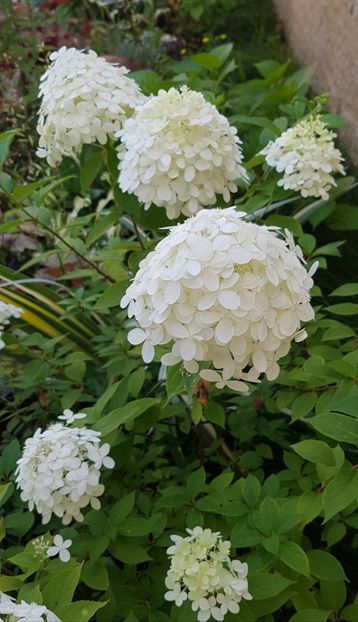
pixel 202 572
pixel 11 611
pixel 84 99
pixel 307 157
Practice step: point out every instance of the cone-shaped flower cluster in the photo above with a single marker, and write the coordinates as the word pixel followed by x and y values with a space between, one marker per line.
pixel 179 152
pixel 10 611
pixel 308 158
pixel 85 99
pixel 201 570
pixel 59 471
pixel 224 291
pixel 7 311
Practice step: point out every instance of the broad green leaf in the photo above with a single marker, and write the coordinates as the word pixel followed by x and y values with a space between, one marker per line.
pixel 124 415
pixel 95 575
pixel 337 426
pixel 324 566
pixel 128 551
pixel 343 308
pixel 294 557
pixel 266 585
pixel 303 404
pixel 196 482
pixel 251 490
pixel 60 586
pixel 348 289
pixel 122 508
pixel 175 381
pixel 243 536
pixel 6 139
pixel 310 615
pixel 79 611
pixel 340 492
pixel 89 169
pixel 111 296
pixel 315 451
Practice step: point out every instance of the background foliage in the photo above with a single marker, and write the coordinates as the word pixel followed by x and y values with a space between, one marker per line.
pixel 273 471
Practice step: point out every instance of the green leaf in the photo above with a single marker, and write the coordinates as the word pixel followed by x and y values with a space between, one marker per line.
pixel 333 120
pixel 124 415
pixel 243 536
pixel 348 289
pixel 340 492
pixel 90 169
pixel 175 381
pixel 196 482
pixel 303 404
pixel 6 139
pixel 128 551
pixel 222 52
pixel 266 585
pixel 324 566
pixel 111 295
pixel 207 60
pixel 81 610
pixel 315 451
pixel 61 585
pixel 215 413
pixel 294 557
pixel 335 425
pixel 122 508
pixel 95 575
pixel 101 227
pixel 343 308
pixel 251 490
pixel 310 615
pixel 344 218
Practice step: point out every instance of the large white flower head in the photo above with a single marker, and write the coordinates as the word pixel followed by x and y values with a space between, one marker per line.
pixel 10 611
pixel 221 290
pixel 59 471
pixel 85 99
pixel 202 571
pixel 308 158
pixel 7 311
pixel 179 152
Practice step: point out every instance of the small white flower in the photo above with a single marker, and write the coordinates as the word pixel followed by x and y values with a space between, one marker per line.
pixel 224 291
pixel 308 158
pixel 70 417
pixel 179 152
pixel 85 99
pixel 6 312
pixel 24 612
pixel 59 471
pixel 202 571
pixel 60 547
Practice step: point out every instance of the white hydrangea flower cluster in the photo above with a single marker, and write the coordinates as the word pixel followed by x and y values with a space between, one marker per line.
pixel 179 152
pixel 59 471
pixel 224 291
pixel 10 611
pixel 85 99
pixel 7 311
pixel 201 570
pixel 308 158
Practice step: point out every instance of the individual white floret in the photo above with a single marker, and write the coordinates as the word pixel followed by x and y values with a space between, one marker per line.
pixel 307 157
pixel 221 290
pixel 179 152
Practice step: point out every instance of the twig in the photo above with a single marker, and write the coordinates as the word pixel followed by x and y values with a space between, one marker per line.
pixel 72 248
